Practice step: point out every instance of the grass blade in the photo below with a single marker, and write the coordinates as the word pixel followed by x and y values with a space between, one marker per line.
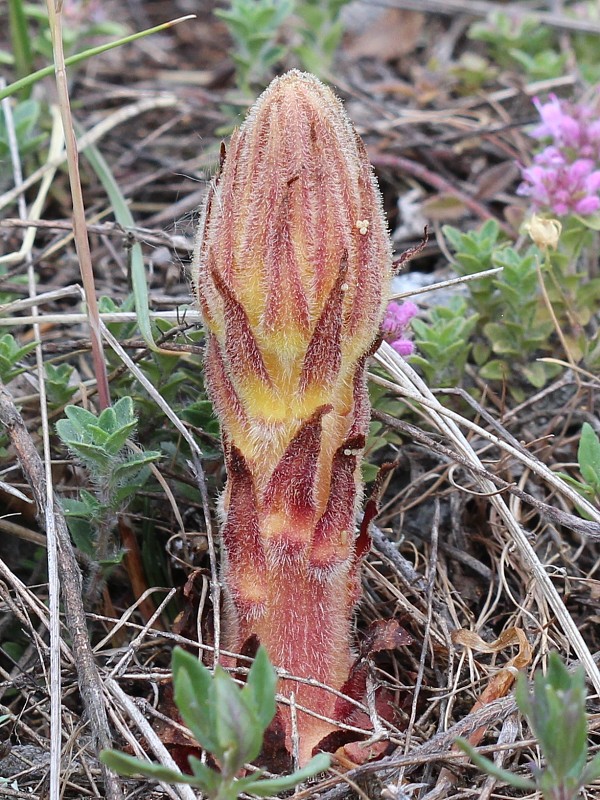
pixel 29 80
pixel 125 218
pixel 21 45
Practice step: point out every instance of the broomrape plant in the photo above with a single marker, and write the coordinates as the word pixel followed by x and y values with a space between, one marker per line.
pixel 292 268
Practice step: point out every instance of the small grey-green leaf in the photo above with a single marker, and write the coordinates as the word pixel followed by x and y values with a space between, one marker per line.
pixel 487 766
pixel 272 786
pixel 588 455
pixel 194 697
pixel 129 766
pixel 260 688
pixel 591 772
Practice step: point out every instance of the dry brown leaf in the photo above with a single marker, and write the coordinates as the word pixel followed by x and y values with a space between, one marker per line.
pixel 444 208
pixel 501 683
pixel 495 179
pixel 507 638
pixel 391 35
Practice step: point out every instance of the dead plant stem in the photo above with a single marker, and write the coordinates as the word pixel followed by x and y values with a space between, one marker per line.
pixel 89 681
pixel 82 244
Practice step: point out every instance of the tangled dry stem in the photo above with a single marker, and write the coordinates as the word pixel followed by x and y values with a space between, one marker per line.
pixel 505 553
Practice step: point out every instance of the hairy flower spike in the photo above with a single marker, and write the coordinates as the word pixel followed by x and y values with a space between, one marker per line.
pixel 292 268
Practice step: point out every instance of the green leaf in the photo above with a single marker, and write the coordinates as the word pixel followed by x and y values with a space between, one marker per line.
pixel 57 383
pixel 87 506
pixel 94 457
pixel 487 766
pixel 273 786
pixel 592 222
pixel 237 728
pixel 369 471
pixel 11 353
pixel 207 779
pixel 117 440
pixel 557 704
pixel 129 766
pixel 259 690
pixel 535 373
pixel 588 455
pixel 134 465
pixel 195 699
pixel 453 235
pixel 118 415
pixel 80 418
pixel 592 771
pixel 83 534
pixel 494 370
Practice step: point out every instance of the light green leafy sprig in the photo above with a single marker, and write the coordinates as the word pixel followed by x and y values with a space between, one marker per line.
pixel 229 723
pixel 254 26
pixel 588 456
pixel 101 444
pixel 11 353
pixel 555 710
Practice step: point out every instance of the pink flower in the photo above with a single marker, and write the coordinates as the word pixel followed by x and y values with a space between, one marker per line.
pixel 565 177
pixel 570 126
pixel 562 187
pixel 556 124
pixel 395 326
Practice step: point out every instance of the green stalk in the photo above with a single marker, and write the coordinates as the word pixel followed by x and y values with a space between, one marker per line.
pixel 29 80
pixel 21 47
pixel 125 218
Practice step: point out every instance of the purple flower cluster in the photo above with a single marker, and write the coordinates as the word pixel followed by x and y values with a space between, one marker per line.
pixel 565 177
pixel 395 326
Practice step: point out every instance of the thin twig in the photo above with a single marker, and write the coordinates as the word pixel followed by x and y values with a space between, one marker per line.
pixel 90 137
pixel 483 9
pixel 445 284
pixel 427 631
pixel 408 382
pixel 90 685
pixel 551 513
pixel 149 236
pixel 55 675
pixel 402 164
pixel 158 748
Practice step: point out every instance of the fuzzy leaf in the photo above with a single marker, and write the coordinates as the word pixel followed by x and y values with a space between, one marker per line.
pixel 95 458
pixel 80 418
pixel 494 370
pixel 116 441
pixel 123 412
pixel 535 373
pixel 133 465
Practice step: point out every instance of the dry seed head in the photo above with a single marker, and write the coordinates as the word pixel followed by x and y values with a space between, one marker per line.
pixel 544 232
